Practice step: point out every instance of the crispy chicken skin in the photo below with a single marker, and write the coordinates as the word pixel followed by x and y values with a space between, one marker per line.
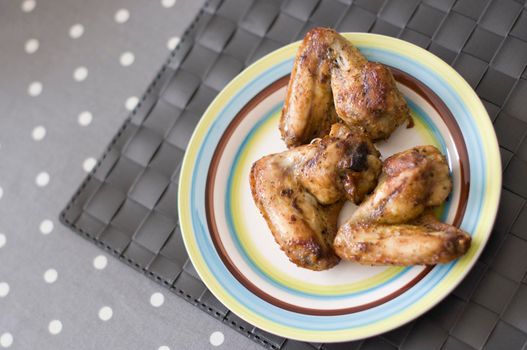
pixel 403 244
pixel 309 110
pixel 394 226
pixel 331 79
pixel 411 181
pixel 300 192
pixel 343 164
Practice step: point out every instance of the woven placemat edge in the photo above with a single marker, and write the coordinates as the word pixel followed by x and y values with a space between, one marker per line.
pixel 130 262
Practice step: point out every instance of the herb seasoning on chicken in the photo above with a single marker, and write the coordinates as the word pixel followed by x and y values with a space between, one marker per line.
pixel 332 80
pixel 300 192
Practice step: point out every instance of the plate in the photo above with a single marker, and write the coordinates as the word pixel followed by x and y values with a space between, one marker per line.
pixel 233 250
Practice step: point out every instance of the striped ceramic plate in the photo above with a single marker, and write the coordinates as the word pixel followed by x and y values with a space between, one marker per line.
pixel 233 250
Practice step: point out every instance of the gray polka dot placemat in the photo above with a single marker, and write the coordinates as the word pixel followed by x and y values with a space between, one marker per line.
pixel 127 205
pixel 63 94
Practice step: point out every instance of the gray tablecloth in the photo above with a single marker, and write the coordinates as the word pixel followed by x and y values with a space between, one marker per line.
pixel 67 72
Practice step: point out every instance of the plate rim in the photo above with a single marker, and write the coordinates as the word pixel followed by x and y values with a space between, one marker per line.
pixel 487 133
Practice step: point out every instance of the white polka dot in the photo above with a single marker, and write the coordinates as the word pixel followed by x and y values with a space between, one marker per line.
pixel 121 16
pixel 217 338
pixel 85 118
pixel 105 313
pixel 35 88
pixel 50 276
pixel 168 3
pixel 157 299
pixel 55 327
pixel 6 340
pixel 46 226
pixel 3 240
pixel 88 164
pixel 38 133
pixel 163 347
pixel 76 31
pixel 131 102
pixel 126 59
pixel 31 46
pixel 80 73
pixel 42 179
pixel 172 42
pixel 100 262
pixel 28 5
pixel 4 289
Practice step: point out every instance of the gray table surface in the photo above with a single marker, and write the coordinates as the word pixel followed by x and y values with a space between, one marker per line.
pixel 56 291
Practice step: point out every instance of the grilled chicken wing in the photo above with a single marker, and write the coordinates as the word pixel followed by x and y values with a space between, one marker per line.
pixel 331 79
pixel 418 243
pixel 411 181
pixel 309 110
pixel 300 192
pixel 389 228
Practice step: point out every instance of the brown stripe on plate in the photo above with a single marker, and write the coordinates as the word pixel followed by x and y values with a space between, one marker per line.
pixel 422 90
